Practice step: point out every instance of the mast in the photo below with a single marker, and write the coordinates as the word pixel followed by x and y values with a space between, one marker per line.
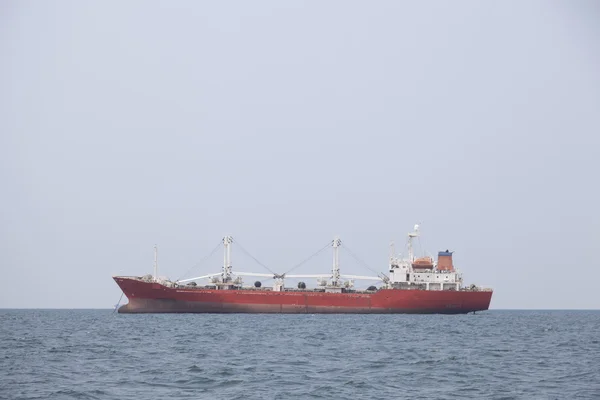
pixel 335 271
pixel 226 274
pixel 155 263
pixel 411 236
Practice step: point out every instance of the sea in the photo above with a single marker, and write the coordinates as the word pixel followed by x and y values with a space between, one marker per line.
pixel 496 354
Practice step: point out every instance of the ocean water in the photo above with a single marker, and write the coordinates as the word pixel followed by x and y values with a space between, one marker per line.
pixel 95 354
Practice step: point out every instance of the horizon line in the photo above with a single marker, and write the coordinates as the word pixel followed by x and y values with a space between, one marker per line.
pixel 112 308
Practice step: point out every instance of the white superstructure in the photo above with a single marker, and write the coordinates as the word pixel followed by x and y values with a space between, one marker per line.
pixel 424 272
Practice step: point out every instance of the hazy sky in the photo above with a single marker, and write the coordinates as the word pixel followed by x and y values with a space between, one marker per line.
pixel 283 123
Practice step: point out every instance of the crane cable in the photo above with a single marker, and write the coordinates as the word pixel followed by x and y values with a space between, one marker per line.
pixel 360 261
pixel 310 258
pixel 201 261
pixel 252 257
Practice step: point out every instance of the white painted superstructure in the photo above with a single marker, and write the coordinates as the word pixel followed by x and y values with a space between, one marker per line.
pixel 422 273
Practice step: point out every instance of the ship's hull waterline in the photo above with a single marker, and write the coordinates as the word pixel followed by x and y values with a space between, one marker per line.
pixel 149 297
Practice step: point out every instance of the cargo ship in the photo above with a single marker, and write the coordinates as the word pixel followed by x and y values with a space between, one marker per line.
pixel 417 285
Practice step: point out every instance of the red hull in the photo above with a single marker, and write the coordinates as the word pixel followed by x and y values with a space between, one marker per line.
pixel 147 297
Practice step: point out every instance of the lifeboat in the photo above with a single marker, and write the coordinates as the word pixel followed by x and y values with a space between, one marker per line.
pixel 423 263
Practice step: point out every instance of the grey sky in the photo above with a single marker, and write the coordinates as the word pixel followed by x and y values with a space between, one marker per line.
pixel 125 124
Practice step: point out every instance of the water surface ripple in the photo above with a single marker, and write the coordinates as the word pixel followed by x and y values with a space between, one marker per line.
pixel 94 354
